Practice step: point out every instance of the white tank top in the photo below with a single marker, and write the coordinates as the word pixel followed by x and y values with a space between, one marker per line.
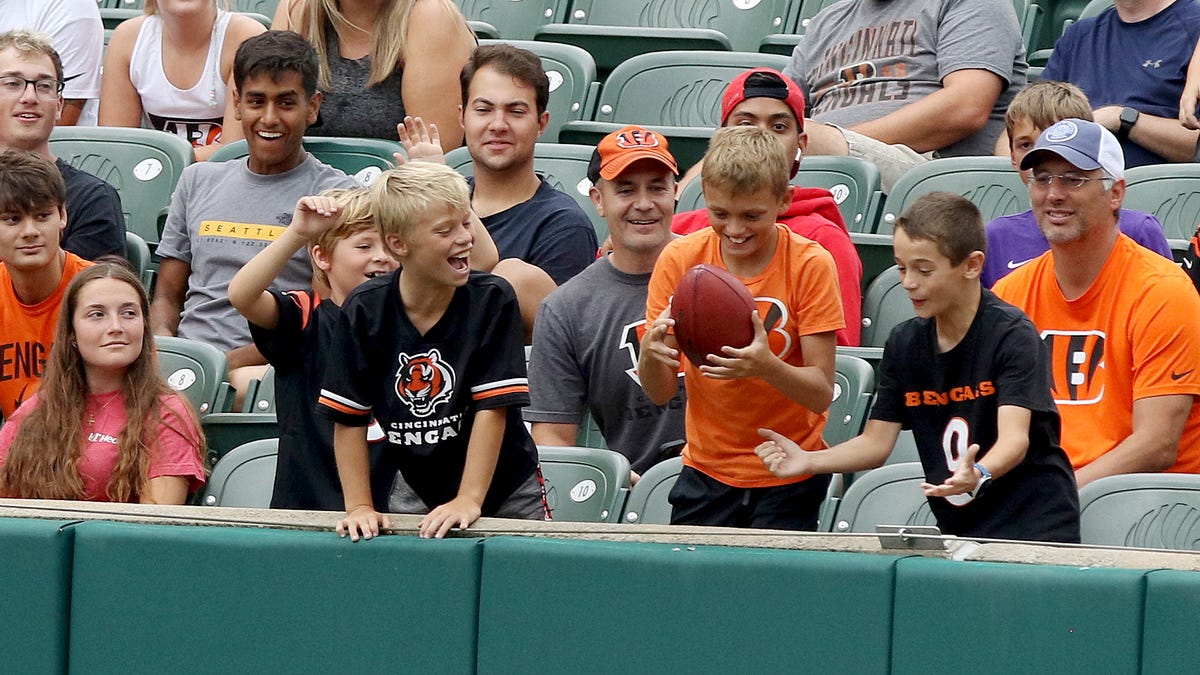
pixel 195 114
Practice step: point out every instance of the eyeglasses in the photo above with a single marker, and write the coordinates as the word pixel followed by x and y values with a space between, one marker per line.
pixel 11 85
pixel 1070 182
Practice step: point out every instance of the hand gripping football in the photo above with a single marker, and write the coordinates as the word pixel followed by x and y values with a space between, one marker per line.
pixel 711 308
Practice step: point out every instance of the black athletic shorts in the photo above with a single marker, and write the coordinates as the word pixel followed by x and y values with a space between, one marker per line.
pixel 700 500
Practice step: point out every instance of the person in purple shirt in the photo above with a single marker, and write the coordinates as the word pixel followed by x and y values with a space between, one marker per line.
pixel 1016 239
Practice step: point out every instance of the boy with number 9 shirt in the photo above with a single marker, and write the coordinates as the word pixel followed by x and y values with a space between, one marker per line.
pixel 970 376
pixel 436 353
pixel 783 378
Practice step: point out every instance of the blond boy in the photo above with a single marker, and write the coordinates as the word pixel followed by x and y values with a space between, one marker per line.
pixel 435 353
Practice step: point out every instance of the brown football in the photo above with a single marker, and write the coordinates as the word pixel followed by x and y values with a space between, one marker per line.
pixel 711 308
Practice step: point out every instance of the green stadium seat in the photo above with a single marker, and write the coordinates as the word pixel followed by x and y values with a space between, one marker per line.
pixel 263 7
pixel 245 477
pixel 885 305
pixel 260 397
pixel 225 431
pixel 363 158
pixel 573 85
pixel 1056 16
pixel 1169 191
pixel 647 502
pixel 853 387
pixel 142 164
pixel 565 167
pixel 197 370
pixel 989 182
pixel 853 182
pixel 586 485
pixel 875 252
pixel 514 19
pixel 589 435
pixel 889 495
pixel 676 88
pixel 484 30
pixel 784 40
pixel 1144 510
pixel 905 450
pixel 614 31
pixel 111 17
pixel 677 93
pixel 137 252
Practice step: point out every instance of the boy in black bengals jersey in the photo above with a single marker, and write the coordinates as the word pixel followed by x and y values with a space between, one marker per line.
pixel 435 352
pixel 970 377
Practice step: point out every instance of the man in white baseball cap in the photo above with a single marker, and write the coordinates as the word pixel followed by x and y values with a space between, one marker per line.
pixel 1122 323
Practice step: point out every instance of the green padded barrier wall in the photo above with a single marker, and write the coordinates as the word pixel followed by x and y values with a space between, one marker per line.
pixel 1172 622
pixel 554 606
pixel 190 599
pixel 1008 618
pixel 35 564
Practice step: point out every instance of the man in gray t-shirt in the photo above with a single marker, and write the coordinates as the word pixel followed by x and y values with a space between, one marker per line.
pixel 221 215
pixel 898 82
pixel 588 331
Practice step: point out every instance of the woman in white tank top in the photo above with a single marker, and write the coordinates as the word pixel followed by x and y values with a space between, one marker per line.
pixel 172 70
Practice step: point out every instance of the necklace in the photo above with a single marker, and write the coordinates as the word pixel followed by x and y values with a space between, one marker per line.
pixel 91 420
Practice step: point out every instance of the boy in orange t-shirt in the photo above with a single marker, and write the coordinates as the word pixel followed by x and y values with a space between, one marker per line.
pixel 34 270
pixel 784 377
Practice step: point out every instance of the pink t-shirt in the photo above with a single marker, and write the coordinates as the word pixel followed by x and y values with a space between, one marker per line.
pixel 174 455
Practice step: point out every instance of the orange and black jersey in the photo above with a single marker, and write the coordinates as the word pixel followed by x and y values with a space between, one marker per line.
pixel 951 399
pixel 424 390
pixel 306 473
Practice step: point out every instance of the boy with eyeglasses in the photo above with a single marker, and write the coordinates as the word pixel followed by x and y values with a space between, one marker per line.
pixel 1122 323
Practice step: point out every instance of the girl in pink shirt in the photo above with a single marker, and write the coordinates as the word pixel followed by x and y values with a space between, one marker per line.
pixel 103 426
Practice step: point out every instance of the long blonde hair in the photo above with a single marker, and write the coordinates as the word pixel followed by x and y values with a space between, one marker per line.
pixel 43 461
pixel 388 33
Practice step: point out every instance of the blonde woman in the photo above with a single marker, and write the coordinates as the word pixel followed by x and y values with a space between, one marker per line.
pixel 171 69
pixel 383 59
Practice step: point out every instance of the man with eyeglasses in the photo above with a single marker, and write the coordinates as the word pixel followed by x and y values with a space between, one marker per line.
pixel 31 86
pixel 74 29
pixel 1121 322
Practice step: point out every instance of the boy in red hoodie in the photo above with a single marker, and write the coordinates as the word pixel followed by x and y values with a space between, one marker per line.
pixel 764 98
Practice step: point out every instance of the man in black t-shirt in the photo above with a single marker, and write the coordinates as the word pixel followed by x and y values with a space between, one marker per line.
pixel 970 377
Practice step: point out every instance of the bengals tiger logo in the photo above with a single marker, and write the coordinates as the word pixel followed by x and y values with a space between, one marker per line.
pixel 423 382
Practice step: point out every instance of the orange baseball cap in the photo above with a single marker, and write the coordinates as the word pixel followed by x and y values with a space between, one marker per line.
pixel 625 146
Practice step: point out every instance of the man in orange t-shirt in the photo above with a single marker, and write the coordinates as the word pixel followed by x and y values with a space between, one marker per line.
pixel 785 377
pixel 34 270
pixel 1122 323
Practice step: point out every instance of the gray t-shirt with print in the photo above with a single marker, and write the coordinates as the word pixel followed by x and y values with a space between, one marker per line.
pixel 222 214
pixel 584 358
pixel 862 59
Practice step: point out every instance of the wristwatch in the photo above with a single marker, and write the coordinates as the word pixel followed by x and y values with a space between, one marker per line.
pixel 1129 117
pixel 985 479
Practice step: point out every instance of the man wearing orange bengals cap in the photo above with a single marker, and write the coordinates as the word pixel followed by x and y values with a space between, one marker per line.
pixel 588 332
pixel 764 98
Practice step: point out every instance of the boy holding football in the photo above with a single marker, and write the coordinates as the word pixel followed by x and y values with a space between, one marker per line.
pixel 783 379
pixel 970 376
